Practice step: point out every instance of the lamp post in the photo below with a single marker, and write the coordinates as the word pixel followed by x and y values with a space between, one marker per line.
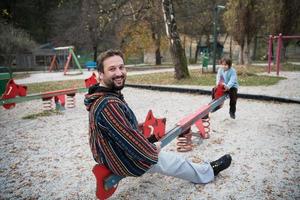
pixel 216 11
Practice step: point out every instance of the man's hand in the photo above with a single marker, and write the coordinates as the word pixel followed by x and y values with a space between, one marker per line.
pixel 158 146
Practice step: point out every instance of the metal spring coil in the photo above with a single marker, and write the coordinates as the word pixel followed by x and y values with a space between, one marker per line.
pixel 47 104
pixel 206 125
pixel 70 101
pixel 184 143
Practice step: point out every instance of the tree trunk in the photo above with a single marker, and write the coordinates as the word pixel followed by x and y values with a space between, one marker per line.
pixel 247 52
pixel 207 42
pixel 196 53
pixel 177 52
pixel 157 56
pixel 241 54
pixel 254 47
pixel 283 54
pixel 283 57
pixel 156 38
pixel 246 55
pixel 95 52
pixel 191 42
pixel 197 49
pixel 230 48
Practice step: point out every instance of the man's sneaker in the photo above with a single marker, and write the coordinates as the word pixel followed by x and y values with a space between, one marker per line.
pixel 232 115
pixel 221 164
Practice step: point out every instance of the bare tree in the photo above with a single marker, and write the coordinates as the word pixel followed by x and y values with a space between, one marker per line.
pixel 177 52
pixel 90 24
pixel 100 16
pixel 242 20
pixel 142 28
pixel 156 21
pixel 282 17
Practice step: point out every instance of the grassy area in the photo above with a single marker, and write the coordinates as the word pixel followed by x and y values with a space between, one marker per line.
pixel 284 67
pixel 54 85
pixel 206 79
pixel 256 80
pixel 167 78
pixel 289 67
pixel 247 76
pixel 20 75
pixel 42 114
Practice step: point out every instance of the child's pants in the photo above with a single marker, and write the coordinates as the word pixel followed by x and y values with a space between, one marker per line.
pixel 232 99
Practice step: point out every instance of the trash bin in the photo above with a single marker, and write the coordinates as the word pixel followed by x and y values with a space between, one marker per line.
pixel 5 76
pixel 205 61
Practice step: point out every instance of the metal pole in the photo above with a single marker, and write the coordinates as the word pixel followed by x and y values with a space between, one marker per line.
pixel 291 37
pixel 279 44
pixel 216 10
pixel 76 60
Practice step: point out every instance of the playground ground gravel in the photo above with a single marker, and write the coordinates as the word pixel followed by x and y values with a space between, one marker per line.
pixel 49 157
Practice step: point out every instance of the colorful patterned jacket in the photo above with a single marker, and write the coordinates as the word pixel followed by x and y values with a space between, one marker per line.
pixel 114 137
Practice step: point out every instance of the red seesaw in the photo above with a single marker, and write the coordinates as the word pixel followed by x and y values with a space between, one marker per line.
pixel 107 182
pixel 15 93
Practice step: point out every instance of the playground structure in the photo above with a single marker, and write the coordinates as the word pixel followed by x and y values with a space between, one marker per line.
pixel 107 182
pixel 15 93
pixel 279 38
pixel 69 50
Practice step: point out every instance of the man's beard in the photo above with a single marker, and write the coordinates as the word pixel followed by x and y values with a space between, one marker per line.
pixel 111 84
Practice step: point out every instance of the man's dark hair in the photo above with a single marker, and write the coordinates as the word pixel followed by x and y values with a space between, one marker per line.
pixel 227 61
pixel 107 54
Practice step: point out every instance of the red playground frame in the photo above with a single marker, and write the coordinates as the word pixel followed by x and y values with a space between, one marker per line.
pixel 279 38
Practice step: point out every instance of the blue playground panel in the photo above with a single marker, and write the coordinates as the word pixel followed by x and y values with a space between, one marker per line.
pixel 90 65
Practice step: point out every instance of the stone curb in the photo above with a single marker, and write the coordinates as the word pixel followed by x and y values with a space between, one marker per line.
pixel 208 92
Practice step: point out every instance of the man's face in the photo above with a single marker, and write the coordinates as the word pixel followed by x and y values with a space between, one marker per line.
pixel 114 73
